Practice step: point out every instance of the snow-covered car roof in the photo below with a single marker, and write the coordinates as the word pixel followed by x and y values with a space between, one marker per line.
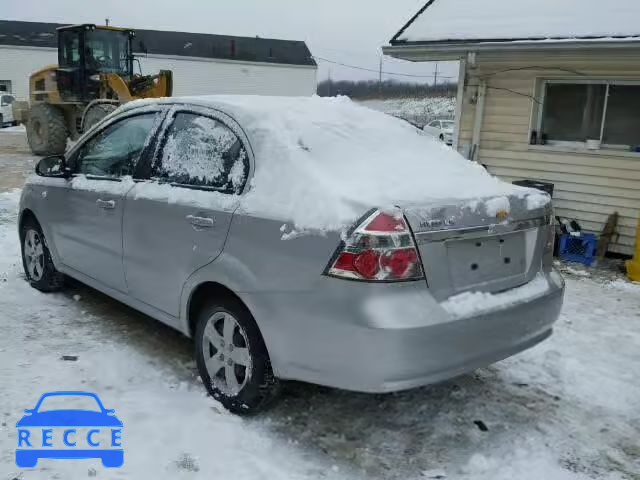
pixel 500 20
pixel 323 162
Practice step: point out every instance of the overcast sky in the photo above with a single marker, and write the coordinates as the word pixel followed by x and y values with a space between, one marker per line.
pixel 345 31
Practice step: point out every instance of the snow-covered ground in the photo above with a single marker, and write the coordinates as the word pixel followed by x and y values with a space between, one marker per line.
pixel 416 110
pixel 567 409
pixel 16 129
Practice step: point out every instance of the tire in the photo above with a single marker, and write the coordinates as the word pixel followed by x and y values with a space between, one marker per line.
pixel 95 114
pixel 442 138
pixel 47 130
pixel 256 386
pixel 41 273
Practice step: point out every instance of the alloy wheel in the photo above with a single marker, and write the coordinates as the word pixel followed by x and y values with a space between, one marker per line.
pixel 226 353
pixel 34 255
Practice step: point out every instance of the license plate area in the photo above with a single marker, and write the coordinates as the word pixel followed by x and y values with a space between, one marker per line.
pixel 486 260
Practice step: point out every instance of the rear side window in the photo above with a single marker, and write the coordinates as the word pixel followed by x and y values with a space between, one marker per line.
pixel 202 152
pixel 6 100
pixel 115 151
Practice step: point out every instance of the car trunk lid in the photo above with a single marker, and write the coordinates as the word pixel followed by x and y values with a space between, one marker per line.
pixel 489 245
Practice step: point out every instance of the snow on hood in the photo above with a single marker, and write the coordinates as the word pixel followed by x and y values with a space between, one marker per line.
pixel 323 162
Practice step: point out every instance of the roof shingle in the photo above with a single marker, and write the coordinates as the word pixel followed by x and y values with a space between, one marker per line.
pixel 442 21
pixel 183 44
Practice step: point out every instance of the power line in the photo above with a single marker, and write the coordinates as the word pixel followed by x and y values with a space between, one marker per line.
pixel 373 70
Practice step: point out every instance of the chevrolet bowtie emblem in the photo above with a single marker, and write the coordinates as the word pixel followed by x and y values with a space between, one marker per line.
pixel 502 214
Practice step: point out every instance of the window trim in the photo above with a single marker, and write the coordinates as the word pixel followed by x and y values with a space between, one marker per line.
pixel 541 93
pixel 72 155
pixel 214 114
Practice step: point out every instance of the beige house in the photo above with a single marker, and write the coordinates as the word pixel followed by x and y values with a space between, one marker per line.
pixel 547 91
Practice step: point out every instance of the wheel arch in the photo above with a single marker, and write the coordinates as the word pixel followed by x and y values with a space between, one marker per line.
pixel 203 292
pixel 25 215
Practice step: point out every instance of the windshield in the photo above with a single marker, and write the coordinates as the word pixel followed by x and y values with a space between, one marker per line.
pixel 69 402
pixel 107 51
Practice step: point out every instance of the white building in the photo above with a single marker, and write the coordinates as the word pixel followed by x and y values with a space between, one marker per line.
pixel 201 63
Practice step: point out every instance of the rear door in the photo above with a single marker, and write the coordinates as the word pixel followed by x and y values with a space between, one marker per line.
pixel 87 220
pixel 178 220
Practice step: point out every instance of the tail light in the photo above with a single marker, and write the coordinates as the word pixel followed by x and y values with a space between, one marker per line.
pixel 381 248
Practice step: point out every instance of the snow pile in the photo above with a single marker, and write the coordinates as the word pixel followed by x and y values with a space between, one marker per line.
pixel 577 272
pixel 619 284
pixel 495 205
pixel 321 163
pixel 524 465
pixel 522 19
pixel 537 200
pixel 81 182
pixel 16 129
pixel 476 303
pixel 185 196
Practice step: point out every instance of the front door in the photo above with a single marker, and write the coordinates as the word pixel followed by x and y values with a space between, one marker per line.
pixel 178 221
pixel 87 230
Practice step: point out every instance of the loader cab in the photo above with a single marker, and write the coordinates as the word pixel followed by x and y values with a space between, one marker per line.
pixel 85 52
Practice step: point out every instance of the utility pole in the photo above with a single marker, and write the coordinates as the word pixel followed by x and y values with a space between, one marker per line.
pixel 106 21
pixel 329 84
pixel 435 76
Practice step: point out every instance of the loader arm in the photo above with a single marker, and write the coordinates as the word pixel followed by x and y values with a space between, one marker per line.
pixel 155 86
pixel 119 87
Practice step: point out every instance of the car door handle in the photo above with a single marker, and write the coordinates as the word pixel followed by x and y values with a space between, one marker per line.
pixel 106 204
pixel 201 222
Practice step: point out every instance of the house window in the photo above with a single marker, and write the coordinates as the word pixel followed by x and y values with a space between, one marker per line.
pixel 577 111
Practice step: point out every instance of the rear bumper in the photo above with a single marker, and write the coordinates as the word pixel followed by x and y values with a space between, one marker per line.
pixel 384 338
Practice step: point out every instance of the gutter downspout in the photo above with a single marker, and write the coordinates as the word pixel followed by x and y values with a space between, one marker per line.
pixel 479 115
pixel 462 75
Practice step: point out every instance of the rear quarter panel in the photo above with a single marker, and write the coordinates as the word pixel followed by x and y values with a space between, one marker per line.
pixel 260 264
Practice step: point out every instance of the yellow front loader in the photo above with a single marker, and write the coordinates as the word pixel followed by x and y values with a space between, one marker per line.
pixel 93 77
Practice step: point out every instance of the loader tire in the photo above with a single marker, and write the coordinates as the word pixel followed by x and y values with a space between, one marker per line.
pixel 47 130
pixel 95 114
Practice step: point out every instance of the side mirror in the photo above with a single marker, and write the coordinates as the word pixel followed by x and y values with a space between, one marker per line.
pixel 28 410
pixel 53 166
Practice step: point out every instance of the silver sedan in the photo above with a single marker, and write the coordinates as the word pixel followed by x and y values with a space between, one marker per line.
pixel 303 239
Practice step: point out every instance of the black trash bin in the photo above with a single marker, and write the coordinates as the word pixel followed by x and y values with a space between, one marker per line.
pixel 544 186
